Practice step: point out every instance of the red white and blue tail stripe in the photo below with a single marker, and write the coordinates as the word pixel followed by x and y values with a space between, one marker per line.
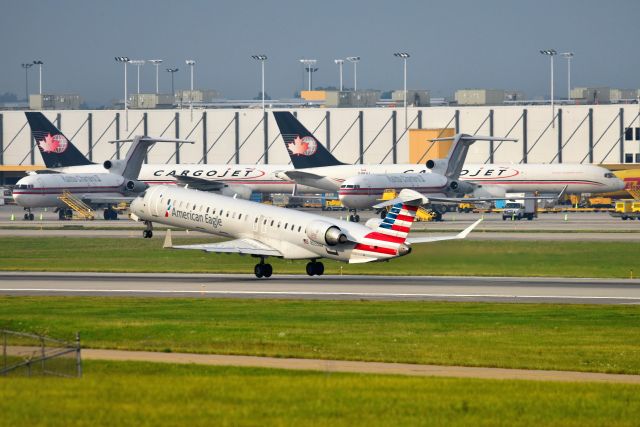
pixel 387 240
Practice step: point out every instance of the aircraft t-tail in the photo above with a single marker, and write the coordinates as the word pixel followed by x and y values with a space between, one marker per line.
pixel 268 231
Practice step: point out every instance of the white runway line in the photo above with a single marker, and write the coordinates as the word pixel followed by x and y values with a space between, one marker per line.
pixel 309 293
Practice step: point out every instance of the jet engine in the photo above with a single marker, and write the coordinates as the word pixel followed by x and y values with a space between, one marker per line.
pixel 135 186
pixel 116 166
pixel 439 165
pixel 325 233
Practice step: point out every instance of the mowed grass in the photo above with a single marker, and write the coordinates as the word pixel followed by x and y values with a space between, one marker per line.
pixel 598 338
pixel 485 258
pixel 145 394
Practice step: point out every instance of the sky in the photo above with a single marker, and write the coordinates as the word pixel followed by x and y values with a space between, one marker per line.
pixel 453 44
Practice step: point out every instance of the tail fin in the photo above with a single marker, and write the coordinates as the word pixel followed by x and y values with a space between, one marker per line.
pixel 396 225
pixel 451 166
pixel 132 163
pixel 303 148
pixel 56 150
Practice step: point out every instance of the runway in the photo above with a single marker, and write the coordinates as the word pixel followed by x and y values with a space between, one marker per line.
pixel 387 288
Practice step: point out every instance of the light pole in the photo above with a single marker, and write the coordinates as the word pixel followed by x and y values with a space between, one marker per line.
pixel 26 80
pixel 354 60
pixel 125 61
pixel 404 56
pixel 568 55
pixel 262 58
pixel 191 63
pixel 138 63
pixel 157 63
pixel 551 53
pixel 340 63
pixel 39 64
pixel 309 67
pixel 172 71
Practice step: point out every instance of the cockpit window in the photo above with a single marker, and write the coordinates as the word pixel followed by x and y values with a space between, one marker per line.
pixel 609 175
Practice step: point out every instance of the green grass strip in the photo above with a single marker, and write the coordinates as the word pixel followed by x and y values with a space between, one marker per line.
pixel 534 336
pixel 483 258
pixel 145 394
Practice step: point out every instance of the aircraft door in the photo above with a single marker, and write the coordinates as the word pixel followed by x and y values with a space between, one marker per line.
pixel 158 206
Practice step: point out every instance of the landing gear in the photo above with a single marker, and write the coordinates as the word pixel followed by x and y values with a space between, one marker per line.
pixel 148 232
pixel 383 214
pixel 65 214
pixel 354 217
pixel 28 216
pixel 110 214
pixel 315 268
pixel 262 269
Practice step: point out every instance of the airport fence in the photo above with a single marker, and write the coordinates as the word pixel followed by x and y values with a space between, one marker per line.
pixel 25 354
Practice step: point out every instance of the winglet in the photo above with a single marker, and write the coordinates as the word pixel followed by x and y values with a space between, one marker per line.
pixel 464 233
pixel 168 244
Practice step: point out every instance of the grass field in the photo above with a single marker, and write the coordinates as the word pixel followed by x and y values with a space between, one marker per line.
pixel 156 394
pixel 484 258
pixel 538 336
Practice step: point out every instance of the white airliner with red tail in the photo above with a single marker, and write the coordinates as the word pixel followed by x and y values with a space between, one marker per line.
pixel 268 231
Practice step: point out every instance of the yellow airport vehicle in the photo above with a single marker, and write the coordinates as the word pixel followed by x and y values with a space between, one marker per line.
pixel 80 209
pixel 625 209
pixel 333 205
pixel 465 207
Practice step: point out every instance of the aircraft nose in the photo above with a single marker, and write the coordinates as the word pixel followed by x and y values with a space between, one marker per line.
pixel 136 206
pixel 619 185
pixel 18 198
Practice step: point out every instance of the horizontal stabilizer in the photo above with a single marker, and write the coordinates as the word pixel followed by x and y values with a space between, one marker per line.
pixel 428 239
pixel 406 196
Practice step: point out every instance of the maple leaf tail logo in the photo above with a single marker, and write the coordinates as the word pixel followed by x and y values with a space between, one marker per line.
pixel 302 146
pixel 53 144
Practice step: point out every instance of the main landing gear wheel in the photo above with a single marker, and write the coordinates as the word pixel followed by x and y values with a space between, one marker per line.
pixel 315 268
pixel 263 270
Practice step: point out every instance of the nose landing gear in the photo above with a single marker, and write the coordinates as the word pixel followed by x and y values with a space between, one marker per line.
pixel 148 232
pixel 28 215
pixel 353 216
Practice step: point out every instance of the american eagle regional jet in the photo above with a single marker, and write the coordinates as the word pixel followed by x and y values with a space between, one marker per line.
pixel 264 231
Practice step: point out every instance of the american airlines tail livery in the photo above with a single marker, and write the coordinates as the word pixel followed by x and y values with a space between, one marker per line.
pixel 264 231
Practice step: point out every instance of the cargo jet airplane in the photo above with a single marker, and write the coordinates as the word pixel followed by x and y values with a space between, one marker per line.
pixel 268 231
pixel 316 166
pixel 117 182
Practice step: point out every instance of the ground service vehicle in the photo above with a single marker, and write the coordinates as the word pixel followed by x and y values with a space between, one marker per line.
pixel 517 209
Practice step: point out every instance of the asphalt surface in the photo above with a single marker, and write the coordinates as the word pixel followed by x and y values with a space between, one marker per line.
pixel 390 288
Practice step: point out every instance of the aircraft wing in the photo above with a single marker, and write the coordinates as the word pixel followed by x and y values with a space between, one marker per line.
pixel 312 180
pixel 461 235
pixel 238 246
pixel 100 200
pixel 455 200
pixel 199 183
